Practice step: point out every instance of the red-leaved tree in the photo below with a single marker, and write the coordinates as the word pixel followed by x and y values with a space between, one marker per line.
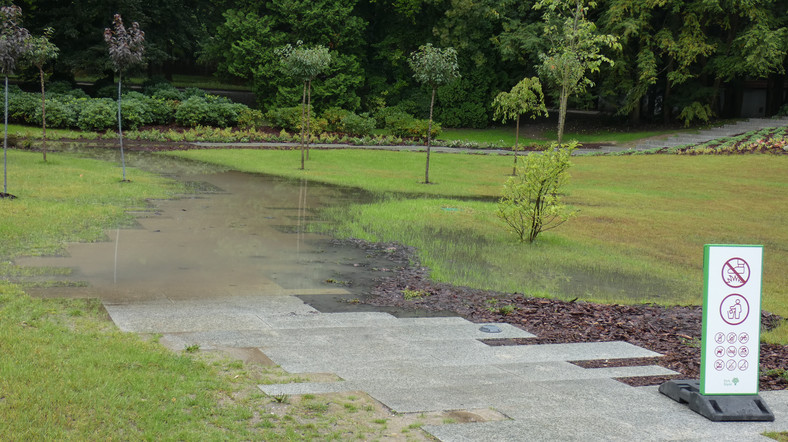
pixel 125 49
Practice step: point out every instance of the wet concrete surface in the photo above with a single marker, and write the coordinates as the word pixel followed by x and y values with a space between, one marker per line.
pixel 240 235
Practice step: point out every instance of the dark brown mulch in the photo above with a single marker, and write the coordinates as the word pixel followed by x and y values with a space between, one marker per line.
pixel 672 331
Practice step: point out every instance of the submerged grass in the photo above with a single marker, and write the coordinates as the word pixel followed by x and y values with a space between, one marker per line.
pixel 638 236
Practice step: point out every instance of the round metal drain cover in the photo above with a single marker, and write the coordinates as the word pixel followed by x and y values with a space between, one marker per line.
pixel 490 329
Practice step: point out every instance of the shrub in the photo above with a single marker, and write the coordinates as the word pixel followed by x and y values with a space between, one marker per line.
pixel 208 110
pixel 358 125
pixel 135 113
pixel 193 92
pixel 344 121
pixel 250 119
pixel 531 200
pixel 157 111
pixel 98 114
pixel 289 119
pixel 401 124
pixel 61 112
pixel 163 91
pixel 192 112
pixel 22 106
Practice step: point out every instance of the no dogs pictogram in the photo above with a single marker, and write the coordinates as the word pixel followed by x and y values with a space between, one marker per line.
pixel 735 272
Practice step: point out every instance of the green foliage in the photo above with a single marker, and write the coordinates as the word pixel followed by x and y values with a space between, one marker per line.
pixel 164 91
pixel 434 66
pixel 695 111
pixel 135 113
pixel 209 110
pixel 289 118
pixel 61 112
pixel 525 98
pixel 531 200
pixel 98 114
pixel 250 119
pixel 404 125
pixel 575 49
pixel 347 122
pixel 40 50
pixel 303 63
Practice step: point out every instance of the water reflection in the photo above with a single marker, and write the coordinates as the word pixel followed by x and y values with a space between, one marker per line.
pixel 242 235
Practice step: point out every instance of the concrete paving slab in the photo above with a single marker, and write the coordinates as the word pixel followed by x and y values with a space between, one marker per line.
pixel 298 388
pixel 439 364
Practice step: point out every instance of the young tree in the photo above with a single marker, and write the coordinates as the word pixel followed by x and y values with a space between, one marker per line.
pixel 125 50
pixel 13 44
pixel 526 97
pixel 40 52
pixel 304 64
pixel 575 49
pixel 531 201
pixel 433 66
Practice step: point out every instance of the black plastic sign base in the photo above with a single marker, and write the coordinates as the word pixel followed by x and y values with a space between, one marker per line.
pixel 748 408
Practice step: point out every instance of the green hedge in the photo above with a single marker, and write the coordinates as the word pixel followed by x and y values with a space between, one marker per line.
pixel 161 104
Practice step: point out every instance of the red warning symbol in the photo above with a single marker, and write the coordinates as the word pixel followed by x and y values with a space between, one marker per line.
pixel 735 272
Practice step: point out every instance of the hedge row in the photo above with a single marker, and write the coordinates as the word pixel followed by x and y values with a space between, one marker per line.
pixel 161 106
pixel 399 123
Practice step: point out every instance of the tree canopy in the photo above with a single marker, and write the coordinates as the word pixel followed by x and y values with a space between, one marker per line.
pixel 676 56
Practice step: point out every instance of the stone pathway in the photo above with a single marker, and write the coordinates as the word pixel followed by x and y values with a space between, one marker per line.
pixel 437 364
pixel 680 139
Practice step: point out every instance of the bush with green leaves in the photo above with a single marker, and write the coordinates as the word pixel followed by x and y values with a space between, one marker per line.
pixel 531 200
pixel 164 91
pixel 135 113
pixel 98 114
pixel 208 110
pixel 347 122
pixel 62 112
pixel 289 119
pixel 404 125
pixel 22 106
pixel 250 119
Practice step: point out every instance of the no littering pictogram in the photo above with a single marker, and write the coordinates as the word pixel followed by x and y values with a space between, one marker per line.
pixel 735 272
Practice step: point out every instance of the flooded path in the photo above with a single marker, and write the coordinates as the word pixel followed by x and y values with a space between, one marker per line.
pixel 241 235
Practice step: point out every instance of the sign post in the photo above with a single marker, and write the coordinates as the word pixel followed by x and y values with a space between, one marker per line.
pixel 731 320
pixel 730 338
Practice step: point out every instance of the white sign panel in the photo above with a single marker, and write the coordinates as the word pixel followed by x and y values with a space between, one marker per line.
pixel 731 320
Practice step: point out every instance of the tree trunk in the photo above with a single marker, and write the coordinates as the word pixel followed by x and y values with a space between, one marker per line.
pixel 429 135
pixel 303 124
pixel 308 115
pixel 120 127
pixel 43 115
pixel 5 141
pixel 516 143
pixel 562 114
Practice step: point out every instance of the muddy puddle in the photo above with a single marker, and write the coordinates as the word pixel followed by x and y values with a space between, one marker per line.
pixel 238 235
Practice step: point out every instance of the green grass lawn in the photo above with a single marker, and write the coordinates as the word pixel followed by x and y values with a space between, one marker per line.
pixel 505 136
pixel 638 236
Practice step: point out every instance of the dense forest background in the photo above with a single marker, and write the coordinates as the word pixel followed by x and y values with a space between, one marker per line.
pixel 676 55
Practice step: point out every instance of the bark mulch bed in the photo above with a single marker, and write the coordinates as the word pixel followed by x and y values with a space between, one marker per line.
pixel 672 331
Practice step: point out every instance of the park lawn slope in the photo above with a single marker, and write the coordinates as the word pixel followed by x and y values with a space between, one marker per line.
pixel 638 235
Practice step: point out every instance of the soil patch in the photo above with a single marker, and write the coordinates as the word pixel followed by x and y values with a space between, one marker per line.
pixel 673 331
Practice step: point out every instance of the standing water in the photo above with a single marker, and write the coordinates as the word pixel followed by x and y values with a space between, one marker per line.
pixel 241 235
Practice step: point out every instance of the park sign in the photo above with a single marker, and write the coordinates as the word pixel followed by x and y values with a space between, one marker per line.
pixel 730 339
pixel 731 319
